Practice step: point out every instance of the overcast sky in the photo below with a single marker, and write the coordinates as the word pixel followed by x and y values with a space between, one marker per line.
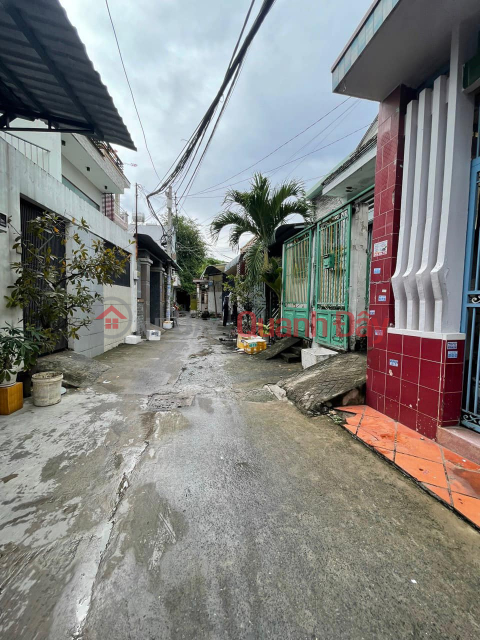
pixel 176 53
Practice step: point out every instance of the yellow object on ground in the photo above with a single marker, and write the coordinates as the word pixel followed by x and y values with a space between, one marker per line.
pixel 255 345
pixel 11 399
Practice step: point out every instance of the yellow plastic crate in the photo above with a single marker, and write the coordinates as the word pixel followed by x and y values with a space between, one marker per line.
pixel 255 346
pixel 243 339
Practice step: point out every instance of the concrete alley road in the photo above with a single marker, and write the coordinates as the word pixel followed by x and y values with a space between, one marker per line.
pixel 177 499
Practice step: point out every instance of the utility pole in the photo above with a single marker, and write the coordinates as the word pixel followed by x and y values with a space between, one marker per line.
pixel 136 220
pixel 169 251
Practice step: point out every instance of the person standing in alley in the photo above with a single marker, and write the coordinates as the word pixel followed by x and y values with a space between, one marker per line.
pixel 225 310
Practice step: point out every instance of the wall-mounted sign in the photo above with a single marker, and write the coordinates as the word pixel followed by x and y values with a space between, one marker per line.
pixel 377 271
pixel 378 332
pixel 452 345
pixel 3 223
pixel 394 363
pixel 372 312
pixel 380 248
pixel 452 354
pixel 382 298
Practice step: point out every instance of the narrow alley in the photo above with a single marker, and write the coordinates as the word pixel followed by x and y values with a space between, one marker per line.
pixel 179 499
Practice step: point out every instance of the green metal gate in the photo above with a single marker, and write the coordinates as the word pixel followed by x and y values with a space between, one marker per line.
pixel 297 255
pixel 333 278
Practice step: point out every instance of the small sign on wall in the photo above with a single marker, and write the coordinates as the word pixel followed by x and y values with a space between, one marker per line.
pixel 377 271
pixel 3 223
pixel 382 298
pixel 380 249
pixel 452 345
pixel 394 363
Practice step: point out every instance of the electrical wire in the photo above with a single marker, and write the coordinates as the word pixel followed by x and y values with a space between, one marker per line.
pixel 230 74
pixel 277 149
pixel 131 90
pixel 344 116
pixel 274 169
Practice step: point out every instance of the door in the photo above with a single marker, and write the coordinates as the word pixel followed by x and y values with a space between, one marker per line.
pixel 471 308
pixel 297 256
pixel 332 279
pixel 28 212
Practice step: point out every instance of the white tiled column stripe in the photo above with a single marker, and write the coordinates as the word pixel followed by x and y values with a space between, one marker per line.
pixel 405 215
pixel 427 283
pixel 419 209
pixel 434 204
pixel 447 275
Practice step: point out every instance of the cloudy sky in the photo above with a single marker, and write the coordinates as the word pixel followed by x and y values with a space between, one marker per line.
pixel 176 53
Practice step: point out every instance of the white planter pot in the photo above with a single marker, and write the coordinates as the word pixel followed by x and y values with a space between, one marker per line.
pixel 167 324
pixel 47 388
pixel 7 384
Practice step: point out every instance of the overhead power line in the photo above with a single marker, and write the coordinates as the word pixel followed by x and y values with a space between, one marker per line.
pixel 274 169
pixel 231 73
pixel 284 144
pixel 131 90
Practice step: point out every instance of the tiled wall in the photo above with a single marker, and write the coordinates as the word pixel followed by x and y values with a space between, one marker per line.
pixel 417 381
pixel 409 378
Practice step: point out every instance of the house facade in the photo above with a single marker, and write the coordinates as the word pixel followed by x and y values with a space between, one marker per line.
pixel 56 125
pixel 153 264
pixel 71 176
pixel 421 62
pixel 325 266
pixel 210 290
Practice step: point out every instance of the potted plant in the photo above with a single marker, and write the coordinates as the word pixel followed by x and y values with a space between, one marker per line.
pixel 64 302
pixel 19 351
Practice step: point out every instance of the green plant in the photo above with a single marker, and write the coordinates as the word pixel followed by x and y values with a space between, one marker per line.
pixel 59 290
pixel 259 212
pixel 240 291
pixel 272 276
pixel 19 349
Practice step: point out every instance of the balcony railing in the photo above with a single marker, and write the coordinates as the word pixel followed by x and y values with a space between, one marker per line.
pixel 37 154
pixel 107 151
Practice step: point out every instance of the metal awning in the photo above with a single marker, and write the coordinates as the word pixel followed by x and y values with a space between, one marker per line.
pixel 149 244
pixel 45 74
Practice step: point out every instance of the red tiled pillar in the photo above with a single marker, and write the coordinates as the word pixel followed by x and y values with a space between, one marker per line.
pixel 386 222
pixel 416 380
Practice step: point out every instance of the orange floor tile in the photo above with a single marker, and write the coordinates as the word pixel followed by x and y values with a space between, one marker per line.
pixel 446 475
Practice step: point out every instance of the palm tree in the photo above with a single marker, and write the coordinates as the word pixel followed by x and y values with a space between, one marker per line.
pixel 259 212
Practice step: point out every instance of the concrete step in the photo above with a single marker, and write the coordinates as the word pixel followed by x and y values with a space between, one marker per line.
pixel 316 354
pixel 297 350
pixel 460 440
pixel 288 356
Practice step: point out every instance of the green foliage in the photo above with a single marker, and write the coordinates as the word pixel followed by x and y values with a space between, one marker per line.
pixel 59 290
pixel 240 291
pixel 272 276
pixel 19 349
pixel 191 252
pixel 259 212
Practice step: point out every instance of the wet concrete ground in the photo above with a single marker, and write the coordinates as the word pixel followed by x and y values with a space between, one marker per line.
pixel 223 515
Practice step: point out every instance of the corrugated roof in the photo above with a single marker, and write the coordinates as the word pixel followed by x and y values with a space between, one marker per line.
pixel 46 74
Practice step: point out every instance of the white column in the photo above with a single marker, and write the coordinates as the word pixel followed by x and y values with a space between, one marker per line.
pixel 358 265
pixel 405 214
pixel 419 209
pixel 434 204
pixel 447 275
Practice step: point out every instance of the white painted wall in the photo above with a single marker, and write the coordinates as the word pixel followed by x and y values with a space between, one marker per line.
pixel 217 295
pixel 81 182
pixel 428 281
pixel 51 143
pixel 20 177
